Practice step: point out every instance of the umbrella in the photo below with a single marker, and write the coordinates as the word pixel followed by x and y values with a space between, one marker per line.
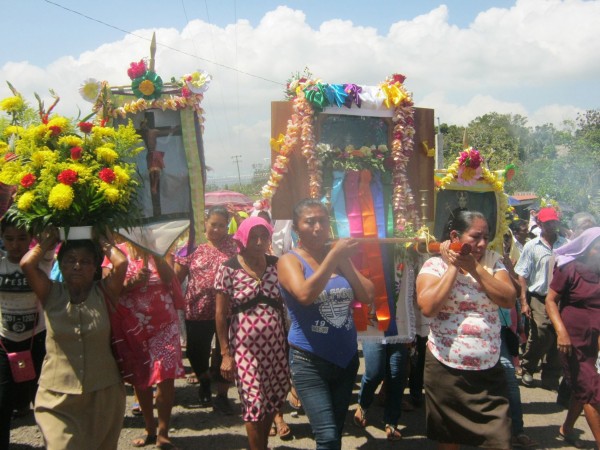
pixel 227 198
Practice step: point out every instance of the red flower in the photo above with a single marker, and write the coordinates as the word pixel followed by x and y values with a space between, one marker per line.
pixel 86 127
pixel 76 153
pixel 28 180
pixel 67 177
pixel 136 70
pixel 107 175
pixel 185 92
pixel 398 78
pixel 55 130
pixel 103 123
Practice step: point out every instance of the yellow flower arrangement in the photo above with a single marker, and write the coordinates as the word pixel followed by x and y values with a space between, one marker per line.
pixel 69 174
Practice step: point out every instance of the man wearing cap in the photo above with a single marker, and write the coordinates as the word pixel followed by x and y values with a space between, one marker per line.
pixel 533 270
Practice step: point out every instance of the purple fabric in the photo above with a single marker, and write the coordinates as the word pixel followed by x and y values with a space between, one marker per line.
pixel 577 246
pixel 243 231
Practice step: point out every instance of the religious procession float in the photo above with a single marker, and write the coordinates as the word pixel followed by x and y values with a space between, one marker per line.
pixel 135 164
pixel 367 152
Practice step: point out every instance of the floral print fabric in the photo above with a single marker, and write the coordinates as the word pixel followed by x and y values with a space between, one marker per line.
pixel 465 334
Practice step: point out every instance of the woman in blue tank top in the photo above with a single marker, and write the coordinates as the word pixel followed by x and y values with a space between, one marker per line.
pixel 319 283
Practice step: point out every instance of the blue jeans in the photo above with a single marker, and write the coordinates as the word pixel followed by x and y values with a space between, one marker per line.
pixel 389 362
pixel 514 394
pixel 325 391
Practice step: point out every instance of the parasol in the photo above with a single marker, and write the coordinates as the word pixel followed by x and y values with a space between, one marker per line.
pixel 225 197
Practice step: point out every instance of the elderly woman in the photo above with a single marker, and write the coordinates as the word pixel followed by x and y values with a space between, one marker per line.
pixel 465 386
pixel 81 400
pixel 573 305
pixel 253 345
pixel 319 284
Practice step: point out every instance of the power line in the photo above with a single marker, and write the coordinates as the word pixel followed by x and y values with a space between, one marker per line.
pixel 237 158
pixel 162 45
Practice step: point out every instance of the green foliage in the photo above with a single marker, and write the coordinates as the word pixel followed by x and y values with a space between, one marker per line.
pixel 559 164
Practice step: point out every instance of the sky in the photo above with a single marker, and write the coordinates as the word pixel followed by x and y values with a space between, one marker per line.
pixel 462 58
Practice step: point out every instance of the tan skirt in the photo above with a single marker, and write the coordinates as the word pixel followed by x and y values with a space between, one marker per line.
pixel 468 407
pixel 85 421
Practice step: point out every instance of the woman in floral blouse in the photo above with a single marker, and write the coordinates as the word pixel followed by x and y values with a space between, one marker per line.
pixel 201 267
pixel 465 386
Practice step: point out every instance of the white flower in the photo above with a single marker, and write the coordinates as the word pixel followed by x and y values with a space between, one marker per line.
pixel 90 89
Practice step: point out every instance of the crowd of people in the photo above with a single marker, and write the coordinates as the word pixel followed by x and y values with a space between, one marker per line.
pixel 282 328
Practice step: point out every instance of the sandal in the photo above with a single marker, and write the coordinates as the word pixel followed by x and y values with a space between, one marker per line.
pixel 273 430
pixel 192 379
pixel 136 410
pixel 283 430
pixel 571 438
pixel 294 401
pixel 392 433
pixel 360 417
pixel 142 441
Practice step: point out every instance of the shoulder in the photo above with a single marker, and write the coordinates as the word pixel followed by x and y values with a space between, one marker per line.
pixel 231 263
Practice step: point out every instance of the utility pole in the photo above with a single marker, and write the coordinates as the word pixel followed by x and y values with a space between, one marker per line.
pixel 237 158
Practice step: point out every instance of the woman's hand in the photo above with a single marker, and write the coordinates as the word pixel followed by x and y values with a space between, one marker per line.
pixel 564 343
pixel 344 248
pixel 227 367
pixel 48 238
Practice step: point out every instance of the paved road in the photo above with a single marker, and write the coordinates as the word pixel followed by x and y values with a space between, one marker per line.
pixel 196 428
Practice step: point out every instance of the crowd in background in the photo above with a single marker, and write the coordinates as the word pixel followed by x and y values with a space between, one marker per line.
pixel 281 327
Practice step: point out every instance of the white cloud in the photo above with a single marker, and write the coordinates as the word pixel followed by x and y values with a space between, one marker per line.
pixel 460 72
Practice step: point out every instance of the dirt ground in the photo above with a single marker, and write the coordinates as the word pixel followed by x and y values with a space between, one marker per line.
pixel 193 427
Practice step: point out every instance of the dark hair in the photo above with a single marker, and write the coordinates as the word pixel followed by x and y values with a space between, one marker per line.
pixel 76 244
pixel 219 210
pixel 304 204
pixel 461 222
pixel 8 223
pixel 516 225
pixel 264 215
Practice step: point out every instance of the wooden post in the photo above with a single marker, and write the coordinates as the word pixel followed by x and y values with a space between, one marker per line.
pixel 152 52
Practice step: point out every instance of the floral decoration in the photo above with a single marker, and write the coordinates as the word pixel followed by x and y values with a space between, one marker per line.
pixel 148 86
pixel 469 176
pixel 65 179
pixel 310 96
pixel 350 158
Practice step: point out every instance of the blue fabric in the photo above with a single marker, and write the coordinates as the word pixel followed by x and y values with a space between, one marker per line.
pixel 338 203
pixel 514 394
pixel 325 390
pixel 384 362
pixel 326 327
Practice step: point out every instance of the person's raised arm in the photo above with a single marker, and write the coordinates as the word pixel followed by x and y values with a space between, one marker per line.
pixel 165 271
pixel 30 264
pixel 433 291
pixel 181 272
pixel 114 280
pixel 306 290
pixel 498 287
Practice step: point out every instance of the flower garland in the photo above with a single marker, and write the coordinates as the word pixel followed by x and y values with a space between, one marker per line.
pixel 467 170
pixel 311 96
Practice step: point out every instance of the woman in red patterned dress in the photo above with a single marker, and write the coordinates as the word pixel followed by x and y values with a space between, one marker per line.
pixel 200 267
pixel 254 345
pixel 148 293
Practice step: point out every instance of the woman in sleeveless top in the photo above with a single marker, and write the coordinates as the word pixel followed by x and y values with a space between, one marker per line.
pixel 319 284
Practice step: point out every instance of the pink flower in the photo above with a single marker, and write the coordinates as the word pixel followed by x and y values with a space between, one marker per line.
pixel 136 70
pixel 185 92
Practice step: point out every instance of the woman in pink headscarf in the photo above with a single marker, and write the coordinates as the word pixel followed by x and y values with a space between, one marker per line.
pixel 573 305
pixel 253 346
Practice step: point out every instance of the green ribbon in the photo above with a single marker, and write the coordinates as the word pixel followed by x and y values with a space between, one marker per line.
pixel 315 94
pixel 154 79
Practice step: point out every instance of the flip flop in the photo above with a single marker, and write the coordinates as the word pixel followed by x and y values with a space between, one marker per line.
pixel 192 379
pixel 136 410
pixel 294 401
pixel 283 430
pixel 360 417
pixel 392 433
pixel 144 440
pixel 571 438
pixel 273 430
